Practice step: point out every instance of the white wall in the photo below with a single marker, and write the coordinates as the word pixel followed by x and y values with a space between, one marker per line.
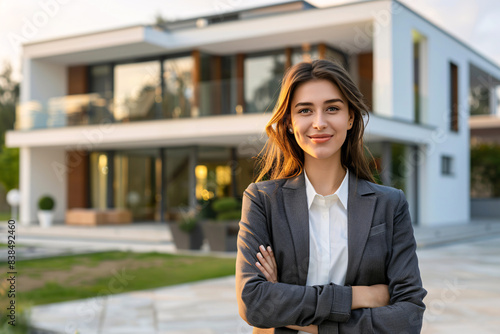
pixel 42 80
pixel 42 173
pixel 382 61
pixel 443 199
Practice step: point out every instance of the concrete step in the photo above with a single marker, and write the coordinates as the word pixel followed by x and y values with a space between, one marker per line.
pixel 434 236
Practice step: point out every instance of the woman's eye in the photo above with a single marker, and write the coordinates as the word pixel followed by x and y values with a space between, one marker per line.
pixel 304 111
pixel 332 109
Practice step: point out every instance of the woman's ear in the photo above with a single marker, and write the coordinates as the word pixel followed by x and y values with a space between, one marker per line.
pixel 287 123
pixel 351 121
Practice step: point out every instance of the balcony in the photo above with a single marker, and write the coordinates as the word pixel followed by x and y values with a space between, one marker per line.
pixel 210 98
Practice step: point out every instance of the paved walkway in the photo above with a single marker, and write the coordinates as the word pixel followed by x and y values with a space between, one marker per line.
pixel 204 307
pixel 463 287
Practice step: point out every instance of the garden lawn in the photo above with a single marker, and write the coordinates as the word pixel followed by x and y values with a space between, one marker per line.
pixel 5 216
pixel 64 278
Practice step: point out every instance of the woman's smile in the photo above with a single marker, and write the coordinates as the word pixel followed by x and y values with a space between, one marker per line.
pixel 319 139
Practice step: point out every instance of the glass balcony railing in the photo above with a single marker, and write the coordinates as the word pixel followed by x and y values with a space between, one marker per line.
pixel 64 111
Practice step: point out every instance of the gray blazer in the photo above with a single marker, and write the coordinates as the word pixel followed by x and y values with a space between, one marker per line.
pixel 381 250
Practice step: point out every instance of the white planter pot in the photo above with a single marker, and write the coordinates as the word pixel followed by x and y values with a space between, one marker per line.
pixel 45 217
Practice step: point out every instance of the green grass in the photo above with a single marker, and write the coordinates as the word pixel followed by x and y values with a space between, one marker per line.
pixel 5 216
pixel 135 272
pixel 4 246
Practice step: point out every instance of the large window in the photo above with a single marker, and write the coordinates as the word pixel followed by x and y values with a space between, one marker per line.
pixel 101 80
pixel 177 180
pixel 453 97
pixel 98 180
pixel 135 88
pixel 305 52
pixel 101 89
pixel 136 185
pixel 178 90
pixel 218 87
pixel 213 173
pixel 484 89
pixel 156 182
pixel 262 79
pixel 419 76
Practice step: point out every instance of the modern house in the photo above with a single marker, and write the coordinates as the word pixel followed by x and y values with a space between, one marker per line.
pixel 153 118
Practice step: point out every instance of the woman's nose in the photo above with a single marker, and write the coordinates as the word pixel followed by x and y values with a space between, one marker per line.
pixel 319 121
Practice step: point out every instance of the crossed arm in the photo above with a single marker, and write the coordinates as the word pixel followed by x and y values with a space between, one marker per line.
pixel 362 296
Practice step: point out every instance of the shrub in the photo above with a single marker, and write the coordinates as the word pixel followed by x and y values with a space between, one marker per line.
pixel 225 204
pixel 46 203
pixel 187 224
pixel 230 215
pixel 485 168
pixel 206 209
pixel 188 220
pixel 227 208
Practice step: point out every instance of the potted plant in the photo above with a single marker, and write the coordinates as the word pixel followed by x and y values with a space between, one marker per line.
pixel 222 232
pixel 46 206
pixel 186 230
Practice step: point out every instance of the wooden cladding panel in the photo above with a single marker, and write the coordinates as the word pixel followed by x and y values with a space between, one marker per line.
pixel 365 70
pixel 77 163
pixel 240 75
pixel 78 81
pixel 196 77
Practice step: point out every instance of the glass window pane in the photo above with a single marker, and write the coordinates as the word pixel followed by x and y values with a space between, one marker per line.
pixel 136 184
pixel 178 96
pixel 101 80
pixel 98 109
pixel 176 181
pixel 304 53
pixel 214 176
pixel 135 89
pixel 98 179
pixel 263 75
pixel 336 56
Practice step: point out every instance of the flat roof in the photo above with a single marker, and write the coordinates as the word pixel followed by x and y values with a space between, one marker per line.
pixel 352 3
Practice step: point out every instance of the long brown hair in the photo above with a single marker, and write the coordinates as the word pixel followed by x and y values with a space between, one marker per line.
pixel 282 157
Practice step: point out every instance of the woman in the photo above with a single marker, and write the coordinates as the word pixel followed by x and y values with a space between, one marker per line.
pixel 321 247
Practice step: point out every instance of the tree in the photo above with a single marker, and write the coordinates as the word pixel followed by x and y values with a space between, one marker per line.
pixel 9 157
pixel 485 168
pixel 9 168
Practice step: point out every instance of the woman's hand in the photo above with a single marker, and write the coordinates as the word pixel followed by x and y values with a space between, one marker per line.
pixel 370 296
pixel 267 263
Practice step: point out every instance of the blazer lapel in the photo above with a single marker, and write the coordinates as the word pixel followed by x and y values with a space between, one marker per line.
pixel 360 209
pixel 295 203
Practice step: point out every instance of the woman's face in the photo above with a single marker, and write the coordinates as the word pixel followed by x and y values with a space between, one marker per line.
pixel 320 119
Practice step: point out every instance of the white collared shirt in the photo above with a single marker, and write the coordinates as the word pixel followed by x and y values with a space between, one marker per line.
pixel 327 234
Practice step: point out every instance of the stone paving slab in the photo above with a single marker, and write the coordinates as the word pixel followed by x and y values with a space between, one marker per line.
pixel 463 287
pixel 203 307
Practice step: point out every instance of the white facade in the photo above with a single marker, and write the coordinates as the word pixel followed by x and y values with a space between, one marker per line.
pixel 383 28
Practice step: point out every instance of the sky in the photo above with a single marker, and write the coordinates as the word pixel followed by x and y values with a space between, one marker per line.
pixel 476 22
